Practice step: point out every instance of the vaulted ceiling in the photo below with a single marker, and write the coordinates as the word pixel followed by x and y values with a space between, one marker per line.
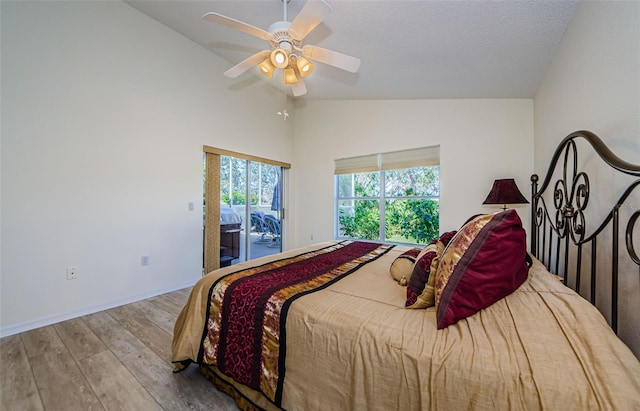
pixel 409 49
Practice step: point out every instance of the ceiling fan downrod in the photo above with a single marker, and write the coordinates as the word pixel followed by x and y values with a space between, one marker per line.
pixel 284 9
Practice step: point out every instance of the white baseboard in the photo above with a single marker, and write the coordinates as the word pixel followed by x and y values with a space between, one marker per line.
pixel 42 322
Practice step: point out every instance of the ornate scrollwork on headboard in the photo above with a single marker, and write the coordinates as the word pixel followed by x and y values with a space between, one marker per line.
pixel 554 229
pixel 571 200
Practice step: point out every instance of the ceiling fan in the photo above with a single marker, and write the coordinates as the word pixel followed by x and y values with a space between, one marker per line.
pixel 287 52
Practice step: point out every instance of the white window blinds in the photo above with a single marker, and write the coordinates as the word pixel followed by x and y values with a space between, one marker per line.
pixel 418 157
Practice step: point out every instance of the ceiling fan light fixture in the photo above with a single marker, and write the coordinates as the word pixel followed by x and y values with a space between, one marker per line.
pixel 279 58
pixel 267 68
pixel 305 67
pixel 289 76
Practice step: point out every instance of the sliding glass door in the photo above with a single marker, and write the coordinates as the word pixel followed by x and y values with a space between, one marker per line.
pixel 243 213
pixel 250 209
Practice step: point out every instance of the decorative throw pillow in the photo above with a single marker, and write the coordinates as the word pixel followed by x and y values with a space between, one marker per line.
pixel 420 290
pixel 402 266
pixel 483 263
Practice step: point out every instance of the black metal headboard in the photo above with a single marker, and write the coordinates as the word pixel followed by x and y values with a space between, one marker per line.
pixel 560 235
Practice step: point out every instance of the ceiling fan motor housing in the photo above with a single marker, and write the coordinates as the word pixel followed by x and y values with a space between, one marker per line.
pixel 281 37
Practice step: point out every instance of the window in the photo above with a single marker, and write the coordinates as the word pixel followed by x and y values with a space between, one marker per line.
pixel 262 178
pixel 391 197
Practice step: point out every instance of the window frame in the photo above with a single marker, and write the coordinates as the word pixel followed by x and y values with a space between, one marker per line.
pixel 342 168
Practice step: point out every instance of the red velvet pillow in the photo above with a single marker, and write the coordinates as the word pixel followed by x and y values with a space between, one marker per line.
pixel 483 263
pixel 420 289
pixel 419 279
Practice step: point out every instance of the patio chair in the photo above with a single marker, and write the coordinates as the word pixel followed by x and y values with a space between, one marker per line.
pixel 273 227
pixel 258 226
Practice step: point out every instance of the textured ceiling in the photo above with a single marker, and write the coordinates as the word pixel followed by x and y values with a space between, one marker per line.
pixel 409 49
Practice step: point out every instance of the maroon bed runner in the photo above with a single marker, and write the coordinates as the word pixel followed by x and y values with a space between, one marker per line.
pixel 245 328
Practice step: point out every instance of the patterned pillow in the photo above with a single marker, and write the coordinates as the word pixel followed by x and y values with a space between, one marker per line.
pixel 420 290
pixel 483 263
pixel 402 266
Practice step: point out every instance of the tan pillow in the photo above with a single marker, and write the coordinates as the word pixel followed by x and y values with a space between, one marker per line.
pixel 402 266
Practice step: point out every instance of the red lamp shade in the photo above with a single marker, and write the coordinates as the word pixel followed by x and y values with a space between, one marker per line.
pixel 505 191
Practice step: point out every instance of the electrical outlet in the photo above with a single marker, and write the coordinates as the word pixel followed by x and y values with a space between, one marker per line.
pixel 72 273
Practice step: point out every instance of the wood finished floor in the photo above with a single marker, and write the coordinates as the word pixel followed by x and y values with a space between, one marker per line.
pixel 115 359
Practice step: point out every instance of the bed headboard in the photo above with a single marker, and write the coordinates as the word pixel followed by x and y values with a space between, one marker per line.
pixel 561 237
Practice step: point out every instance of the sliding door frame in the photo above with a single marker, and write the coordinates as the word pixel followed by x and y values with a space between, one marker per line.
pixel 212 196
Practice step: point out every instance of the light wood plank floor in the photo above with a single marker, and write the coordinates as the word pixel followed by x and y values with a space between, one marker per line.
pixel 115 359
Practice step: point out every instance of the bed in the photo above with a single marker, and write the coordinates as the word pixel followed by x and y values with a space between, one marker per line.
pixel 473 321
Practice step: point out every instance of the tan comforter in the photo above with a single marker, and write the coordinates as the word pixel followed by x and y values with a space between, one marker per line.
pixel 353 346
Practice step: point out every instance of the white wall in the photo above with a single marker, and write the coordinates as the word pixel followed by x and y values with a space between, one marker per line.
pixel 480 140
pixel 593 84
pixel 104 114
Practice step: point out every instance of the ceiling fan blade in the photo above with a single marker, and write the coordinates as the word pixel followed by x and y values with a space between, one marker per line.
pixel 299 88
pixel 238 25
pixel 245 65
pixel 332 58
pixel 313 13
